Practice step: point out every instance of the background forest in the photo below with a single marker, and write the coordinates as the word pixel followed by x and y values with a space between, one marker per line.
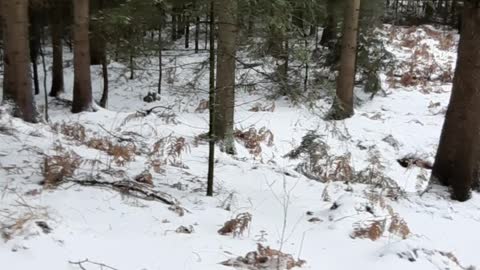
pixel 247 134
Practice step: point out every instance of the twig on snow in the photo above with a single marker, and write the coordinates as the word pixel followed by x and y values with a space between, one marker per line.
pixel 102 266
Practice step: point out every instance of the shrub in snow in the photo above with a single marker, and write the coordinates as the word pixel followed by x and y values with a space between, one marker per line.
pixel 237 225
pixel 265 258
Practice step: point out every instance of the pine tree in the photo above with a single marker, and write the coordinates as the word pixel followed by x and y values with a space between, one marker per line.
pixel 211 102
pixel 57 25
pixel 17 79
pixel 225 83
pixel 343 104
pixel 82 85
pixel 456 163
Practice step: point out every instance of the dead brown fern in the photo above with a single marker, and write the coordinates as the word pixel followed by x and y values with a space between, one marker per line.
pixel 237 225
pixel 73 131
pixel 376 227
pixel 253 138
pixel 157 165
pixel 121 153
pixel 373 230
pixel 58 167
pixel 265 258
pixel 169 146
pixel 446 42
pixel 399 227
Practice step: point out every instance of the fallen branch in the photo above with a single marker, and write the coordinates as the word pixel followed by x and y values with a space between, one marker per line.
pixel 136 190
pixel 410 161
pixel 119 138
pixel 80 264
pixel 145 113
pixel 149 111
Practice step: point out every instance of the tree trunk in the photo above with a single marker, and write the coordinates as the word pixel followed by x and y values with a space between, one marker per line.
pixel 207 35
pixel 329 34
pixel 343 104
pixel 197 33
pixel 211 101
pixel 97 40
pixel 197 26
pixel 58 86
pixel 82 85
pixel 297 17
pixel 187 32
pixel 160 58
pixel 17 80
pixel 104 99
pixel 132 65
pixel 35 36
pixel 174 25
pixel 45 74
pixel 36 82
pixel 225 89
pixel 96 48
pixel 456 162
pixel 181 23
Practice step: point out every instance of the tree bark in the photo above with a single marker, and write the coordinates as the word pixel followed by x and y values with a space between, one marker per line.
pixel 329 34
pixel 187 31
pixel 456 162
pixel 211 101
pixel 17 80
pixel 82 85
pixel 343 104
pixel 225 89
pixel 58 86
pixel 174 25
pixel 97 40
pixel 35 29
pixel 160 58
pixel 104 99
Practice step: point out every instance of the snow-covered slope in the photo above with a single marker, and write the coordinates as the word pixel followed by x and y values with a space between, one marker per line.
pixel 333 225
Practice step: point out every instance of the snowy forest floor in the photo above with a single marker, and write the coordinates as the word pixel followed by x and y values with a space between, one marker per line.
pixel 383 221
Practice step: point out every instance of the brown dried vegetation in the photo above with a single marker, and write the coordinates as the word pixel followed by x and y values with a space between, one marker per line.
pixel 265 258
pixel 253 138
pixel 236 226
pixel 59 167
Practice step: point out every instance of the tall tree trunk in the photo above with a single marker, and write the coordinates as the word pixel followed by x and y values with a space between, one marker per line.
pixel 197 33
pixel 104 99
pixel 456 162
pixel 211 101
pixel 97 40
pixel 36 82
pixel 45 74
pixel 197 25
pixel 35 36
pixel 131 64
pixel 187 31
pixel 160 58
pixel 58 86
pixel 297 17
pixel 174 25
pixel 17 81
pixel 82 85
pixel 207 35
pixel 329 34
pixel 181 22
pixel 343 104
pixel 225 89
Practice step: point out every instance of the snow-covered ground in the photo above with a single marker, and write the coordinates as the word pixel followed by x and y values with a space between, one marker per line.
pixel 332 225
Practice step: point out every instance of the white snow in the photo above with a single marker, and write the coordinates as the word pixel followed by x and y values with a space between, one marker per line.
pixel 128 233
